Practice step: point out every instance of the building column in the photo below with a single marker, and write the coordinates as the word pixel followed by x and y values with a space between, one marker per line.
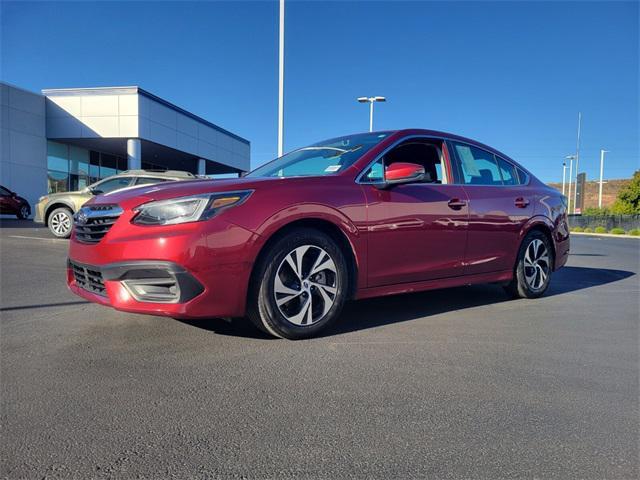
pixel 134 154
pixel 202 166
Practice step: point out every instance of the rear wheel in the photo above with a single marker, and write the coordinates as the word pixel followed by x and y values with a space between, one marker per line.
pixel 23 212
pixel 300 285
pixel 60 222
pixel 534 267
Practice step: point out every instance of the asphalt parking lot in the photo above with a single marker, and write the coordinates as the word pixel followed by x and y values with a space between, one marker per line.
pixel 446 384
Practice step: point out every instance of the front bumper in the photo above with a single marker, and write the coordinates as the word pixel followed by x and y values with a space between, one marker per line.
pixel 39 213
pixel 196 270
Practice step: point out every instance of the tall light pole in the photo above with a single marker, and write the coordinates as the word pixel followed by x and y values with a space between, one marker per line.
pixel 575 190
pixel 564 175
pixel 571 158
pixel 281 82
pixel 602 152
pixel 371 101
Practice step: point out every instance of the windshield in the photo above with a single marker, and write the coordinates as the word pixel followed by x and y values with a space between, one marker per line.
pixel 323 158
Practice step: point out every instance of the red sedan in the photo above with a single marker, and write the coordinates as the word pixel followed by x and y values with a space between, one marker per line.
pixel 352 217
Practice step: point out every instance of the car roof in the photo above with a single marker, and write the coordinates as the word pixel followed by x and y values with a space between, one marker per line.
pixel 157 173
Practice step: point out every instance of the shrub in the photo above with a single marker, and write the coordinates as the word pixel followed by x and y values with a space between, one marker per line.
pixel 588 230
pixel 577 229
pixel 617 231
pixel 635 232
pixel 628 201
pixel 601 230
pixel 595 212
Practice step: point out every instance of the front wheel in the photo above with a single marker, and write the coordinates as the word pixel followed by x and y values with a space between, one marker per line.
pixel 534 266
pixel 300 285
pixel 60 222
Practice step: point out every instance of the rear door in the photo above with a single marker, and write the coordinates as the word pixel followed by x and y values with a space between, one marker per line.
pixel 498 208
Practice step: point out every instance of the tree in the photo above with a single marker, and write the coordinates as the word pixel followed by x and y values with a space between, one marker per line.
pixel 628 201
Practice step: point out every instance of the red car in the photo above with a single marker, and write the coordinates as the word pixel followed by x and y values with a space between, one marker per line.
pixel 13 204
pixel 353 217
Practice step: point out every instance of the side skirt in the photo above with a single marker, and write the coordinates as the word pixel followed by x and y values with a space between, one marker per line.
pixel 493 277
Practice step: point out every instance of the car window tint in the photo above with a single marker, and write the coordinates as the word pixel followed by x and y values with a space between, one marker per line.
pixel 149 180
pixel 4 191
pixel 523 177
pixel 113 184
pixel 508 171
pixel 477 166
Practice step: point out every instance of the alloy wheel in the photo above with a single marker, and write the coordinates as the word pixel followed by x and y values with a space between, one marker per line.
pixel 24 211
pixel 536 264
pixel 60 223
pixel 306 285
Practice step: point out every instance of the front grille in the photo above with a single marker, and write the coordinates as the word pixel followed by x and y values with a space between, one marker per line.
pixel 92 222
pixel 88 278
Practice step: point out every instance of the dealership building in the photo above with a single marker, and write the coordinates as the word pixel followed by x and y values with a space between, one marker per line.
pixel 66 139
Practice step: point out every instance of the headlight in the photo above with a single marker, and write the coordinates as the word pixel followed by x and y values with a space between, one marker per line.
pixel 187 209
pixel 43 198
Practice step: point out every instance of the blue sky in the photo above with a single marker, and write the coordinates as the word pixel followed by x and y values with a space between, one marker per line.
pixel 511 74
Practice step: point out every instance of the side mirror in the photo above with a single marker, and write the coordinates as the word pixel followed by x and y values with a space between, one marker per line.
pixel 401 172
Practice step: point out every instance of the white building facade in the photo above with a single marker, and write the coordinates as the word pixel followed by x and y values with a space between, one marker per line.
pixel 66 139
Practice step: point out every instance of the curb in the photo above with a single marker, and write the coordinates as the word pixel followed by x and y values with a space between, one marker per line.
pixel 610 235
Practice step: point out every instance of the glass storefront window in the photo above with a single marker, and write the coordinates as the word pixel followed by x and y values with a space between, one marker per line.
pixel 58 156
pixel 57 181
pixel 78 160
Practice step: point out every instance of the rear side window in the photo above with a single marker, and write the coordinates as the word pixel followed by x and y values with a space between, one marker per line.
pixel 508 172
pixel 523 177
pixel 476 166
pixel 149 180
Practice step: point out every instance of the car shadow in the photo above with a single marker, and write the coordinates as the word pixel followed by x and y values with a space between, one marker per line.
pixel 371 313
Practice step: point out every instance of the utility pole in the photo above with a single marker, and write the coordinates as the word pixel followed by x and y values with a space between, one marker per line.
pixel 281 82
pixel 575 190
pixel 602 152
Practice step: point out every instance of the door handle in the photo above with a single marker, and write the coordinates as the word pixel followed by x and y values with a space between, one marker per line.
pixel 456 203
pixel 521 202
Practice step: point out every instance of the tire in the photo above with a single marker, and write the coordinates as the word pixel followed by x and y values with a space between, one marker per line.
pixel 60 222
pixel 300 285
pixel 23 212
pixel 533 268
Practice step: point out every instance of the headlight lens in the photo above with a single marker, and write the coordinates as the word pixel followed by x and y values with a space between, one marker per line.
pixel 187 209
pixel 42 198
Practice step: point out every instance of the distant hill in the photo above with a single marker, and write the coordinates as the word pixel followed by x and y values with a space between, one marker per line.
pixel 610 191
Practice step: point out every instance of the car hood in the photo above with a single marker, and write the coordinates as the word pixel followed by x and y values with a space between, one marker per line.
pixel 135 196
pixel 78 194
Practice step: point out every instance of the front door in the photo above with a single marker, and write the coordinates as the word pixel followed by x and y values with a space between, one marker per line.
pixel 417 231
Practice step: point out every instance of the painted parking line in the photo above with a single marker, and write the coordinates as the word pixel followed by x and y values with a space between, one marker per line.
pixel 38 238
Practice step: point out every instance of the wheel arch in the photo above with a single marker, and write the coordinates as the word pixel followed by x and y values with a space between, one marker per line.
pixel 324 225
pixel 50 208
pixel 545 226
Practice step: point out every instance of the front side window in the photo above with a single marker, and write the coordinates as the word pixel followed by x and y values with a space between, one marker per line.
pixel 427 153
pixel 323 158
pixel 111 184
pixel 476 166
pixel 4 192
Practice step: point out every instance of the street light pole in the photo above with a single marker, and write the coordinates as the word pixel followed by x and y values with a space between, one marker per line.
pixel 371 101
pixel 575 189
pixel 602 152
pixel 564 174
pixel 570 158
pixel 281 82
